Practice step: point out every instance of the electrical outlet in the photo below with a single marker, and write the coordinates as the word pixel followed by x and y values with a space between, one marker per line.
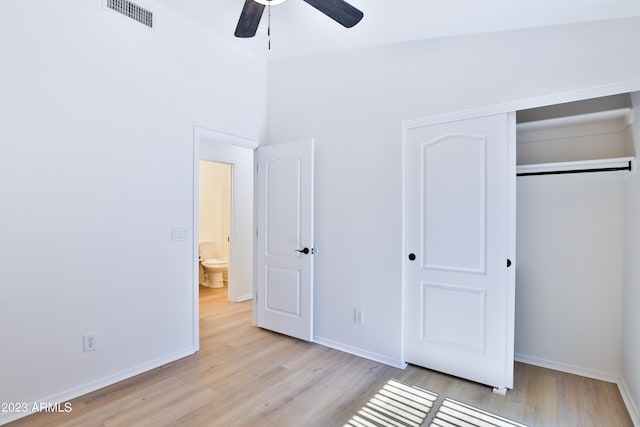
pixel 358 316
pixel 89 342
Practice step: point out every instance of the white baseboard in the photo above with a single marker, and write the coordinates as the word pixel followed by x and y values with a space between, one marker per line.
pixel 396 363
pixel 68 395
pixel 628 401
pixel 571 369
pixel 243 298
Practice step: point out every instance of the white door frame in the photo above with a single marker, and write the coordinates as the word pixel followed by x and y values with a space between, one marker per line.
pixel 237 151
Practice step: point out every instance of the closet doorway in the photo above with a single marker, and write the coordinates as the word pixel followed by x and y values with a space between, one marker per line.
pixel 573 163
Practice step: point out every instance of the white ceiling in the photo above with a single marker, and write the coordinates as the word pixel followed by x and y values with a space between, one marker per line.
pixel 297 28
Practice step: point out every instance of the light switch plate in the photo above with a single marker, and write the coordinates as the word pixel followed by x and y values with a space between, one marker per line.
pixel 180 234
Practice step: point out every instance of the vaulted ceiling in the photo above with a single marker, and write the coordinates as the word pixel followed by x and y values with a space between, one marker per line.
pixel 297 28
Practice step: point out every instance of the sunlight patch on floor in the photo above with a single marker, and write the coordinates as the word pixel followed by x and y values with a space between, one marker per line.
pixel 395 404
pixel 455 414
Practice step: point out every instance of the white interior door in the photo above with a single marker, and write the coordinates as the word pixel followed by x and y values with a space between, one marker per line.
pixel 458 307
pixel 284 300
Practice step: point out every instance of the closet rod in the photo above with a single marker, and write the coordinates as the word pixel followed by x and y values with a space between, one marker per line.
pixel 621 168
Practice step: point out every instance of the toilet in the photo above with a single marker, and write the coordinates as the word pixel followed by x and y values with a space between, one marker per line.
pixel 211 268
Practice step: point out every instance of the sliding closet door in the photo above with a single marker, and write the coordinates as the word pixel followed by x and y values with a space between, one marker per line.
pixel 458 306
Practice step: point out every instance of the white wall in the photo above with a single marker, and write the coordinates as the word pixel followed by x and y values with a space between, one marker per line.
pixel 631 320
pixel 353 103
pixel 96 164
pixel 569 272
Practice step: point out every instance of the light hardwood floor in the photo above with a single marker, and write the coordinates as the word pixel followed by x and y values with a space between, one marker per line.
pixel 245 376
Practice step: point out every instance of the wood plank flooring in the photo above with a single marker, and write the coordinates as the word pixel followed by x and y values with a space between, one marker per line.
pixel 245 376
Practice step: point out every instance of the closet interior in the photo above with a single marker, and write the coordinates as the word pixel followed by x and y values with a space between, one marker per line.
pixel 572 161
pixel 584 136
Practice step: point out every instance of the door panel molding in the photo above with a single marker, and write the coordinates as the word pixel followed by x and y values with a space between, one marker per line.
pixel 286 298
pixel 284 174
pixel 442 246
pixel 465 333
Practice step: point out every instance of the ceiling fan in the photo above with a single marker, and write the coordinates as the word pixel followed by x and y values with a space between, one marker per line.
pixel 338 10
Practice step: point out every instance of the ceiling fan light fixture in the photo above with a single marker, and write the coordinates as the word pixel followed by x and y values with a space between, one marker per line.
pixel 270 2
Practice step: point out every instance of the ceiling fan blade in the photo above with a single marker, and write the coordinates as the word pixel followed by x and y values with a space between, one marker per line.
pixel 249 19
pixel 338 10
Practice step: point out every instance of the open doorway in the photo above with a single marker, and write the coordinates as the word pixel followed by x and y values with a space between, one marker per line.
pixel 215 211
pixel 237 155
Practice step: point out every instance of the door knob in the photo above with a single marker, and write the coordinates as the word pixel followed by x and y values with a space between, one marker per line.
pixel 303 251
pixel 412 257
pixel 508 263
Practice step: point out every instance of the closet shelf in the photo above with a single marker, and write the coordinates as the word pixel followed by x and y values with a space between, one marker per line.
pixel 580 166
pixel 613 120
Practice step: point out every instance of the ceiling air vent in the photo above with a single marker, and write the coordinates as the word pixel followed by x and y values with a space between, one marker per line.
pixel 132 10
